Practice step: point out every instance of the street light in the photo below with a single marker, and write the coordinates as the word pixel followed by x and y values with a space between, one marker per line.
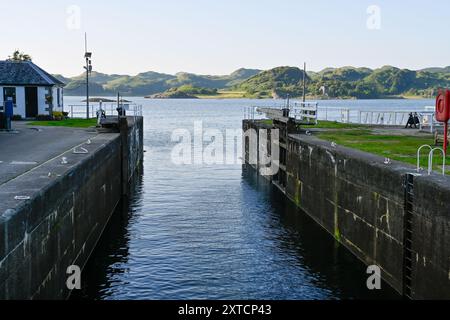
pixel 88 68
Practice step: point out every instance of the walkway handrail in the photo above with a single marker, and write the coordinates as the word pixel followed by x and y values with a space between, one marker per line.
pixel 418 154
pixel 375 117
pixel 78 110
pixel 430 160
pixel 306 112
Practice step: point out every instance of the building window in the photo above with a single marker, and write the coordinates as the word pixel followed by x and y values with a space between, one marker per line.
pixel 48 96
pixel 59 96
pixel 9 92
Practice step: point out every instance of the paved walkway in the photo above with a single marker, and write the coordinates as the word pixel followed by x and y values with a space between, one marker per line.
pixel 32 146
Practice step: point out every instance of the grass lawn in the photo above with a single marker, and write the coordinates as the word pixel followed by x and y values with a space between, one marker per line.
pixel 71 123
pixel 396 147
pixel 268 122
pixel 324 125
pixel 222 94
pixel 336 125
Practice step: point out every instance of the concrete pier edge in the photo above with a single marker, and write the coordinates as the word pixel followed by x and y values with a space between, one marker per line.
pixel 64 212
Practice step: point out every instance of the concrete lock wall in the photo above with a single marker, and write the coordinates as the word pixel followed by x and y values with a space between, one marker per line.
pixel 65 217
pixel 132 146
pixel 360 201
pixel 431 237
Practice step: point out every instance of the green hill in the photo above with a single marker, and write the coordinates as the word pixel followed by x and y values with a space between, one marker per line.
pixel 277 82
pixel 437 70
pixel 62 78
pixel 97 77
pixel 78 88
pixel 149 83
pixel 346 82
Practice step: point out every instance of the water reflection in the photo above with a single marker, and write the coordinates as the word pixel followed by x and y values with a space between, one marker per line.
pixel 109 261
pixel 311 249
pixel 274 251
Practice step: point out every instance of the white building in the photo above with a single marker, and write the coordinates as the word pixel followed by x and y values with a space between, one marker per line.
pixel 33 91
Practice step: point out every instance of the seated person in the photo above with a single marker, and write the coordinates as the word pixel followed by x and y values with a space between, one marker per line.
pixel 411 122
pixel 416 119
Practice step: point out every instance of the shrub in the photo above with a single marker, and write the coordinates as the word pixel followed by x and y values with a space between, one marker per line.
pixel 44 117
pixel 17 117
pixel 58 116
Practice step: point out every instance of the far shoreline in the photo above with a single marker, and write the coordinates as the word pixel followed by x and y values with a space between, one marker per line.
pixel 267 98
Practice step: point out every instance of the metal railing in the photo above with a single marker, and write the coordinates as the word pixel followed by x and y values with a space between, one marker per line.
pixel 427 120
pixel 79 110
pixel 305 112
pixel 369 117
pixel 250 113
pixel 311 113
pixel 430 158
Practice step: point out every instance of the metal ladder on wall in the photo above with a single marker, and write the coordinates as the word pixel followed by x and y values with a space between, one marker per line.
pixel 431 158
pixel 407 236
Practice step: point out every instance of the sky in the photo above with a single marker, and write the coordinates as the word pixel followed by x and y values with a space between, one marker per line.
pixel 220 36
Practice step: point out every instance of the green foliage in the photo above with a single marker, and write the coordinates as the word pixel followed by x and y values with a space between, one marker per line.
pixel 347 82
pixel 189 89
pixel 19 56
pixel 58 115
pixel 277 82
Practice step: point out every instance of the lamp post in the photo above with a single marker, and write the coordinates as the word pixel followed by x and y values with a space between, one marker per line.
pixel 304 82
pixel 88 68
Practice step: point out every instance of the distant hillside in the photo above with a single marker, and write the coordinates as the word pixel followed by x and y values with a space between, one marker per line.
pixel 150 83
pixel 437 70
pixel 275 83
pixel 346 82
pixel 62 78
pixel 97 77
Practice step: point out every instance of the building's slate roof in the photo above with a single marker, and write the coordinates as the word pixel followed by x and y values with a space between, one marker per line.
pixel 25 73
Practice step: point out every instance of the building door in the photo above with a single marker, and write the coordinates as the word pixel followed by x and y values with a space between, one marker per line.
pixel 31 102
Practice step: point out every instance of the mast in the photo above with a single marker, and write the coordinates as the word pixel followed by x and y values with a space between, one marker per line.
pixel 87 76
pixel 304 82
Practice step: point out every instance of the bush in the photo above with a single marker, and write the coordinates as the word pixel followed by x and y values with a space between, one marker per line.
pixel 44 117
pixel 58 116
pixel 17 117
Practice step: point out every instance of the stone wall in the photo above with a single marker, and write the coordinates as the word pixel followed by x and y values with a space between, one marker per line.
pixel 361 202
pixel 355 197
pixel 69 207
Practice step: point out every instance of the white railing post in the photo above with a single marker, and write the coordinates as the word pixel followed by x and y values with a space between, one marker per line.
pixel 418 155
pixel 430 160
